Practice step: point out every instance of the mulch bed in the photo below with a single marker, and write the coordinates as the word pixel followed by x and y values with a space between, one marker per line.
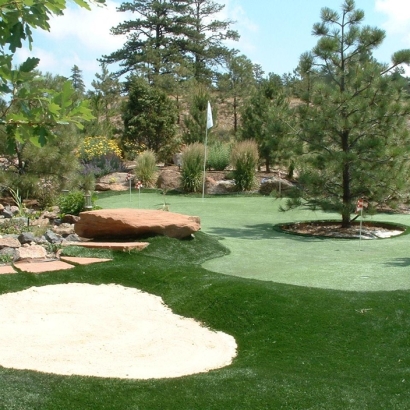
pixel 334 230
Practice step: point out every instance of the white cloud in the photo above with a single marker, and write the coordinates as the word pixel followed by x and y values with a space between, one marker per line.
pixel 398 15
pixel 89 29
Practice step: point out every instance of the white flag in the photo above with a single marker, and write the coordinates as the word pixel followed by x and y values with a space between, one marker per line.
pixel 209 121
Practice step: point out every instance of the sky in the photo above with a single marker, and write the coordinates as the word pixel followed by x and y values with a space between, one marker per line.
pixel 274 33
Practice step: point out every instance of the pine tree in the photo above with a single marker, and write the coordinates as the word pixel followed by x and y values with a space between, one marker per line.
pixel 77 79
pixel 352 122
pixel 105 102
pixel 265 119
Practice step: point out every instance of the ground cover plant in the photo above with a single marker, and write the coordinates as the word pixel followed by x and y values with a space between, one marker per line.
pixel 298 347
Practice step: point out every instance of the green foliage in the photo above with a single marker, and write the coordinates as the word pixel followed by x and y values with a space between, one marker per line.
pixel 14 226
pixel 172 39
pixel 149 118
pixel 71 203
pixel 236 85
pixel 31 113
pixel 353 120
pixel 99 156
pixel 192 167
pixel 146 168
pixel 244 159
pixel 105 101
pixel 219 156
pixel 194 127
pixel 77 80
pixel 266 118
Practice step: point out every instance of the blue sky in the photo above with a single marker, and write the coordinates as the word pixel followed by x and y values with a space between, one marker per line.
pixel 274 33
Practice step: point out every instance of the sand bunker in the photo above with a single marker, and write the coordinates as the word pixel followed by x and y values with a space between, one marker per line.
pixel 105 331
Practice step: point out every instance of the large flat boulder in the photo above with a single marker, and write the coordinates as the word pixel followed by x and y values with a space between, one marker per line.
pixel 134 223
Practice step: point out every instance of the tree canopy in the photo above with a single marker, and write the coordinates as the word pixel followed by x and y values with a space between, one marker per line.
pixel 29 112
pixel 169 33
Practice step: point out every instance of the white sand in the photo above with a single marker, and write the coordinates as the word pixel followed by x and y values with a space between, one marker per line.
pixel 105 331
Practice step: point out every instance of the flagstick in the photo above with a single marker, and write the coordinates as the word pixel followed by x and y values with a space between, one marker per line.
pixel 360 231
pixel 130 189
pixel 203 182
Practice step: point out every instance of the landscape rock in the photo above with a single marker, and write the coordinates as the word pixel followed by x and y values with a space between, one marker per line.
pixel 52 237
pixel 169 179
pixel 26 237
pixel 64 229
pixel 9 253
pixel 30 252
pixel 72 238
pixel 7 213
pixel 70 219
pixel 134 223
pixel 274 184
pixel 9 242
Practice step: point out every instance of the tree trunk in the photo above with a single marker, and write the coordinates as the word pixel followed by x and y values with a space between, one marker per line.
pixel 347 196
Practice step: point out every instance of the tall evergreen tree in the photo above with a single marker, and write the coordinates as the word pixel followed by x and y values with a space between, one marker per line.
pixel 105 101
pixel 154 39
pixel 265 119
pixel 77 79
pixel 207 40
pixel 353 121
pixel 236 85
pixel 168 34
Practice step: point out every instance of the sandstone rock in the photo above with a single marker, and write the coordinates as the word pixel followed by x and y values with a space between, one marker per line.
pixel 274 184
pixel 9 243
pixel 64 229
pixel 30 252
pixel 70 219
pixel 169 179
pixel 134 223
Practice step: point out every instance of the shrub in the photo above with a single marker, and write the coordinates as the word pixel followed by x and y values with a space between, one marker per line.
pixel 100 156
pixel 145 169
pixel 71 203
pixel 192 167
pixel 244 159
pixel 218 156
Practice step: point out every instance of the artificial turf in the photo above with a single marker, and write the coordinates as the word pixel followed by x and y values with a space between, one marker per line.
pixel 298 347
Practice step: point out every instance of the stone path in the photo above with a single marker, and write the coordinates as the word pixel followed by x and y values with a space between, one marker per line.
pixel 36 266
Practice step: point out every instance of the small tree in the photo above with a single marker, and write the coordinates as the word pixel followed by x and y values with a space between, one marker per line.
pixel 149 118
pixel 353 120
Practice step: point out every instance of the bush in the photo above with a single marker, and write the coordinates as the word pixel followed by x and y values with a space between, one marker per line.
pixel 192 167
pixel 244 159
pixel 100 156
pixel 71 203
pixel 146 168
pixel 218 156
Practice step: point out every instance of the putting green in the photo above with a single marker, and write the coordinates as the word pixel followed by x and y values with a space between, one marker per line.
pixel 245 226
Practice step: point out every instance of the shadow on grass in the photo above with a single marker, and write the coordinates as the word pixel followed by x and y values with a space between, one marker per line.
pixel 257 232
pixel 399 263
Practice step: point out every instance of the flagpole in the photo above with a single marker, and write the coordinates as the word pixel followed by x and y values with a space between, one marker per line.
pixel 204 175
pixel 209 124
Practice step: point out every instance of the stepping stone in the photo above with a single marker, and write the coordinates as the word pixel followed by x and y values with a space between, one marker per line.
pixel 4 270
pixel 82 261
pixel 40 267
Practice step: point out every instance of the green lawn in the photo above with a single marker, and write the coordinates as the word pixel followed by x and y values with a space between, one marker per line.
pixel 245 226
pixel 298 347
